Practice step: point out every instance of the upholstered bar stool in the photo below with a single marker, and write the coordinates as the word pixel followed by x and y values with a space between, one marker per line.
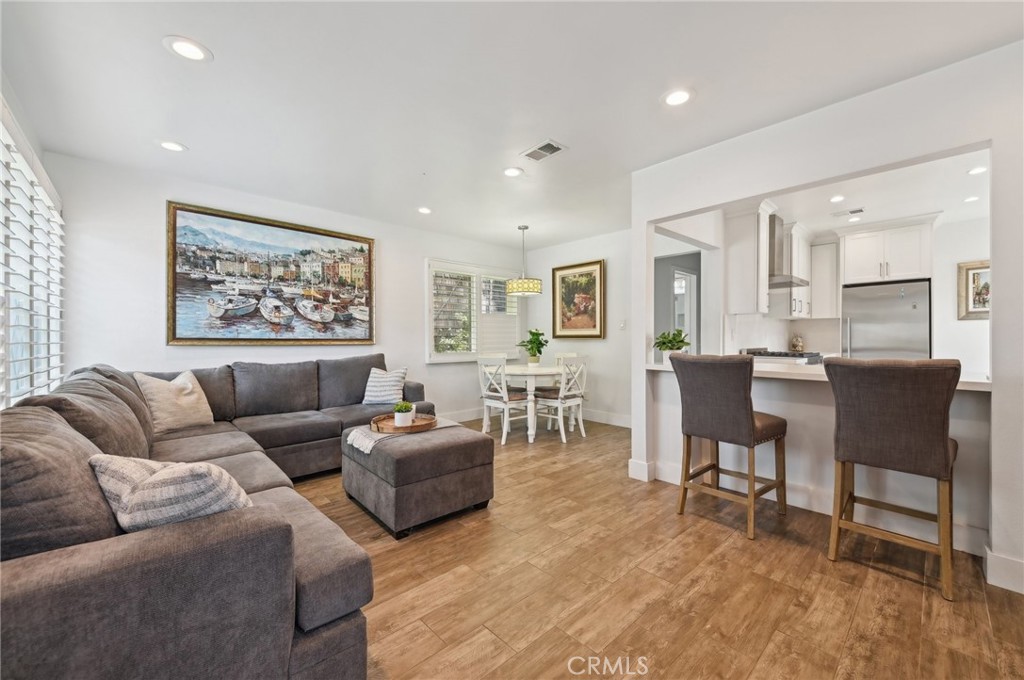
pixel 894 415
pixel 715 393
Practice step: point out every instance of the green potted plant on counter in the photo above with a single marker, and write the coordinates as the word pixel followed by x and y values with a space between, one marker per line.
pixel 534 345
pixel 671 342
pixel 404 414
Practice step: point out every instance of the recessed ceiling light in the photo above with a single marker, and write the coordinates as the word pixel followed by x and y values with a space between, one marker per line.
pixel 838 198
pixel 424 210
pixel 677 97
pixel 513 172
pixel 189 49
pixel 173 146
pixel 970 199
pixel 977 171
pixel 854 219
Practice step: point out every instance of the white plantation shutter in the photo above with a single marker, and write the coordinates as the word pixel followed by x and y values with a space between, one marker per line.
pixel 469 312
pixel 31 278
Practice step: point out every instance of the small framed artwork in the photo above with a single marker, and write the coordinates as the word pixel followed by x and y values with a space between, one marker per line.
pixel 241 280
pixel 578 305
pixel 974 290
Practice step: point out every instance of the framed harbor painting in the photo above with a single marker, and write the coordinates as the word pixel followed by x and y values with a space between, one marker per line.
pixel 974 290
pixel 578 305
pixel 241 280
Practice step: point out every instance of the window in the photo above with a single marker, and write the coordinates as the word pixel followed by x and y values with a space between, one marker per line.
pixel 469 312
pixel 31 264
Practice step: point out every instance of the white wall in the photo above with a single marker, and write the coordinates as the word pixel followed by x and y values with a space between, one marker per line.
pixel 966 340
pixel 116 263
pixel 913 119
pixel 608 369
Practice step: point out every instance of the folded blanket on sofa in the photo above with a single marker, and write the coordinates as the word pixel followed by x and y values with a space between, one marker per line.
pixel 364 439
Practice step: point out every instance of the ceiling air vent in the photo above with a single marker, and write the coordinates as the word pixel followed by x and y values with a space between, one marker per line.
pixel 545 149
pixel 847 213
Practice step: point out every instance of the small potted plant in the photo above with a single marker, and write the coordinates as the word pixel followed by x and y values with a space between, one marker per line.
pixel 671 342
pixel 534 345
pixel 404 414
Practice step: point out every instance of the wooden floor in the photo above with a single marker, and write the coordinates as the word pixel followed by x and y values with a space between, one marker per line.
pixel 574 559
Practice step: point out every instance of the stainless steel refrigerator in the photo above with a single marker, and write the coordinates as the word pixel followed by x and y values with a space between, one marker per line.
pixel 887 321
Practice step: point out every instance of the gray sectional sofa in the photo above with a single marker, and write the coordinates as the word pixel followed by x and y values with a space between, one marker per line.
pixel 271 591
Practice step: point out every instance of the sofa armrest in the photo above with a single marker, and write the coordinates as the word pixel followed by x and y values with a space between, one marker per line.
pixel 212 597
pixel 413 391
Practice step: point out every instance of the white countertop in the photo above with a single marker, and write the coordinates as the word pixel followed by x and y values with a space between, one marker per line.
pixel 816 373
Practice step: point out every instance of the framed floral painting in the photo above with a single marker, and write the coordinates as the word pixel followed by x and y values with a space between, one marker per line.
pixel 578 308
pixel 974 289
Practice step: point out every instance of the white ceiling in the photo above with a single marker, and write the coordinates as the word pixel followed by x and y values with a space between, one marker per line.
pixel 938 186
pixel 377 109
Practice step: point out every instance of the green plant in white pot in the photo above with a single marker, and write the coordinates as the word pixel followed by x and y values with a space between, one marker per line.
pixel 534 345
pixel 669 342
pixel 404 414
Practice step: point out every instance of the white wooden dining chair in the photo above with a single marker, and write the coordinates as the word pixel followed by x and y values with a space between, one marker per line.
pixel 496 395
pixel 501 355
pixel 568 395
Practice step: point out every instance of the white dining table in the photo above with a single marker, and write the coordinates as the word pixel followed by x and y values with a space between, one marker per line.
pixel 531 372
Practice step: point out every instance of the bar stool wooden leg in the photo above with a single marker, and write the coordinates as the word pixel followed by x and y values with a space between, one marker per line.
pixel 780 473
pixel 849 489
pixel 684 475
pixel 751 484
pixel 945 488
pixel 837 509
pixel 714 459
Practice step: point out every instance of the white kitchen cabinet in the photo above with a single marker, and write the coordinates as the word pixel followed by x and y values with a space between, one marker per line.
pixel 824 302
pixel 746 261
pixel 888 255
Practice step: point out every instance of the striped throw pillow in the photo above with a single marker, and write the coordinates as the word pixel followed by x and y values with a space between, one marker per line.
pixel 385 387
pixel 147 493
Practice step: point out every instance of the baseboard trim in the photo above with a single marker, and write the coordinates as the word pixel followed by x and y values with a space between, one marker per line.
pixel 641 469
pixel 1004 571
pixel 463 416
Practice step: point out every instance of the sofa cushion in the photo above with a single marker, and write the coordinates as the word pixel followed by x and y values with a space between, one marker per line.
pixel 362 414
pixel 115 374
pixel 254 471
pixel 283 429
pixel 218 427
pixel 103 418
pixel 333 576
pixel 218 385
pixel 413 458
pixel 130 398
pixel 385 387
pixel 49 497
pixel 274 388
pixel 147 493
pixel 343 381
pixel 203 447
pixel 175 404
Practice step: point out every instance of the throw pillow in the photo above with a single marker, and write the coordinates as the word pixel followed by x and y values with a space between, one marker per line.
pixel 147 493
pixel 384 387
pixel 175 404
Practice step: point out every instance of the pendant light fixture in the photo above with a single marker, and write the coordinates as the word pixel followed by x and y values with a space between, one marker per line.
pixel 523 285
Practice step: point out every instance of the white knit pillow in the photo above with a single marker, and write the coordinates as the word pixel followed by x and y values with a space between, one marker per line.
pixel 175 404
pixel 385 387
pixel 147 493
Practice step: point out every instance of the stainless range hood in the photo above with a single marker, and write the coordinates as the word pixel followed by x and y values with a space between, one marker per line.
pixel 780 256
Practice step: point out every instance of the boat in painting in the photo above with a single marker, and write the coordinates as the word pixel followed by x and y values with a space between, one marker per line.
pixel 315 311
pixel 360 313
pixel 275 311
pixel 230 305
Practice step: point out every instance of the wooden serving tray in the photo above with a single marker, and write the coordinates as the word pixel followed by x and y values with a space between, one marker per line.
pixel 386 423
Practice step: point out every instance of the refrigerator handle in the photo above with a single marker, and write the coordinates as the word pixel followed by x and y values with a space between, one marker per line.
pixel 849 333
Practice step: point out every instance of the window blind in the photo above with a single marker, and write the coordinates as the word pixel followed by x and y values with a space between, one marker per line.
pixel 31 276
pixel 469 312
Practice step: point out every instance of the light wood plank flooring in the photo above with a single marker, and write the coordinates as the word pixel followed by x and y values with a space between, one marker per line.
pixel 574 559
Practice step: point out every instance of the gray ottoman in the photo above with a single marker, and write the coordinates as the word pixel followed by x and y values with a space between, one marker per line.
pixel 414 478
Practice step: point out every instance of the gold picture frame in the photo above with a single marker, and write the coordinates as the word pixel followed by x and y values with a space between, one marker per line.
pixel 235 279
pixel 973 290
pixel 578 300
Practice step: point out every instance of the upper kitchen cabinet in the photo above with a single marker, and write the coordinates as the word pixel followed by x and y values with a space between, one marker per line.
pixel 790 272
pixel 887 255
pixel 746 260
